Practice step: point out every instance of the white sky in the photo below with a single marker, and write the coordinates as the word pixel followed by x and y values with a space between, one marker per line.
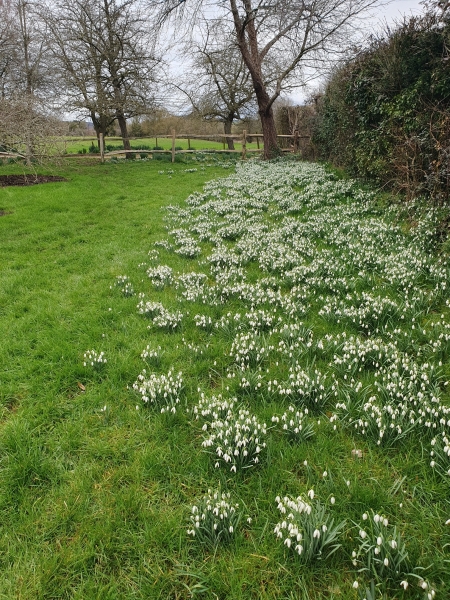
pixel 392 12
pixel 389 14
pixel 396 9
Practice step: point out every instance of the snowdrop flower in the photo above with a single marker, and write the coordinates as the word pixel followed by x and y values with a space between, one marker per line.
pixel 355 585
pixel 404 584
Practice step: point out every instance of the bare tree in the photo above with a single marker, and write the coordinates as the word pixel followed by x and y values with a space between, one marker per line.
pixel 219 86
pixel 27 130
pixel 292 34
pixel 27 125
pixel 105 59
pixel 24 50
pixel 8 46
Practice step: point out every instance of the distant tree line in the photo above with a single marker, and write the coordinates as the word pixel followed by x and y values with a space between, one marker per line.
pixel 104 60
pixel 385 114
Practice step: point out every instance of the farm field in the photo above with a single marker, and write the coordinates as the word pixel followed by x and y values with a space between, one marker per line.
pixel 276 342
pixel 82 144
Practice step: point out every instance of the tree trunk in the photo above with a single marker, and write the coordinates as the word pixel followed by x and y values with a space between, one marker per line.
pixel 227 130
pixel 100 126
pixel 271 148
pixel 269 130
pixel 124 133
pixel 247 39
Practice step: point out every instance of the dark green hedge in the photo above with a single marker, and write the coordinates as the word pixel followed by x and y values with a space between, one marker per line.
pixel 385 115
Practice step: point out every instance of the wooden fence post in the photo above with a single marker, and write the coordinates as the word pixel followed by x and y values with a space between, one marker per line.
pixel 189 143
pixel 173 145
pixel 244 144
pixel 295 141
pixel 257 141
pixel 156 141
pixel 102 147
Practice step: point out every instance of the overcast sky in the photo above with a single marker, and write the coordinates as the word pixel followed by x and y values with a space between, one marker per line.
pixel 390 14
pixel 396 9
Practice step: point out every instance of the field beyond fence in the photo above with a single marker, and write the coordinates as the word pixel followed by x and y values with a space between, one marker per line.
pixel 185 143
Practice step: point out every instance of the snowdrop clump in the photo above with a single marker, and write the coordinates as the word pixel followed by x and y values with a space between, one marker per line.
pixel 307 527
pixel 204 322
pixel 367 312
pixel 237 440
pixel 185 244
pixel 192 286
pixel 358 354
pixel 382 555
pixel 249 349
pixel 162 391
pixel 124 284
pixel 149 309
pixel 214 408
pixel 440 454
pixel 295 424
pixel 160 276
pixel 153 355
pixel 308 389
pixel 215 519
pixel 381 551
pixel 168 320
pixel 160 316
pixel 92 358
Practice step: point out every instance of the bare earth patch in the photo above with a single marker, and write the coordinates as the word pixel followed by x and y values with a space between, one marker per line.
pixel 7 180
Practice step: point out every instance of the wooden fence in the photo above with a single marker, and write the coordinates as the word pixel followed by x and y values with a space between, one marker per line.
pixel 11 155
pixel 242 139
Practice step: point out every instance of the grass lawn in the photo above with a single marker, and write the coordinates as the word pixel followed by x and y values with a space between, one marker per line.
pixel 278 286
pixel 78 144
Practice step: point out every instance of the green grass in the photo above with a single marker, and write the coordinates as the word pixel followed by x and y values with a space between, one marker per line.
pixel 94 504
pixel 62 460
pixel 78 144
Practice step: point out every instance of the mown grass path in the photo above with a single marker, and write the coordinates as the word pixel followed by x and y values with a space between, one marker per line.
pixel 279 286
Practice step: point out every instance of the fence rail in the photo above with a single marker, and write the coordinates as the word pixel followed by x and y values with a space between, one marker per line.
pixel 242 139
pixel 11 155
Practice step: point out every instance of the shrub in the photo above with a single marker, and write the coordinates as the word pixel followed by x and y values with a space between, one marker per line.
pixel 385 115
